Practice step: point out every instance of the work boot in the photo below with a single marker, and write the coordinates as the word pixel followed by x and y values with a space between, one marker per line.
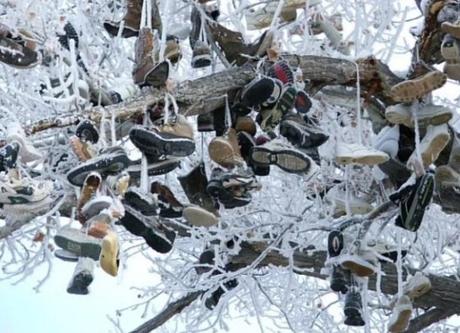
pixel 411 90
pixel 225 151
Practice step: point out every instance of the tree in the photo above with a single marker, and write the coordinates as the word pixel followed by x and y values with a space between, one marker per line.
pixel 275 248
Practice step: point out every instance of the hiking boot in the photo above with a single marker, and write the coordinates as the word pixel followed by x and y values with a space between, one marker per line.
pixel 302 102
pixel 334 243
pixel 195 185
pixel 432 144
pixel 15 190
pixel 201 56
pixel 173 51
pixel 411 90
pixel 447 182
pixel 110 161
pixel 413 201
pixel 86 131
pixel 426 115
pixel 146 72
pixel 301 134
pixel 262 91
pixel 338 198
pixel 90 187
pixel 246 124
pixel 173 139
pixel 132 20
pixel 353 308
pixel 450 51
pixel 144 203
pixel 155 166
pixel 282 71
pixel 417 286
pixel 82 277
pixel 225 151
pixel 9 156
pixel 18 52
pixel 338 280
pixel 283 156
pixel 361 265
pixel 400 317
pixel 199 217
pixel 349 153
pixel 169 206
pixel 75 241
pixel 205 122
pixel 65 255
pixel 109 253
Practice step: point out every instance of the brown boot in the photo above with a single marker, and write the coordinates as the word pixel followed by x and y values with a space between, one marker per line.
pixel 90 187
pixel 246 124
pixel 170 207
pixel 173 51
pixel 225 151
pixel 132 20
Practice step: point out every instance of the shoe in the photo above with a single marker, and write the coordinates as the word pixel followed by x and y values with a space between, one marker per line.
pixel 99 225
pixel 169 206
pixel 411 90
pixel 413 204
pixel 205 122
pixel 262 91
pixel 111 161
pixel 432 144
pixel 17 191
pixel 447 181
pixel 338 281
pixel 417 286
pixel 199 217
pixel 81 149
pixel 27 152
pixel 90 187
pixel 245 124
pixel 361 265
pixel 301 134
pixel 175 139
pixel 75 241
pixel 82 277
pixel 282 71
pixel 225 151
pixel 155 167
pixel 450 51
pixel 132 20
pixel 427 115
pixel 246 142
pixel 334 243
pixel 387 141
pixel 109 253
pixel 400 317
pixel 302 102
pixel 357 154
pixel 451 28
pixel 173 51
pixel 87 132
pixel 19 52
pixel 212 301
pixel 353 304
pixel 9 156
pixel 338 198
pixel 144 203
pixel 201 56
pixel 65 255
pixel 195 185
pixel 354 321
pixel 95 206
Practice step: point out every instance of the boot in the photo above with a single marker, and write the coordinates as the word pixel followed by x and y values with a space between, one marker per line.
pixel 225 151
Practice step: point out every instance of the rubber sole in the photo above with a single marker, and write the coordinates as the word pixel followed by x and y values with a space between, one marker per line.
pixel 364 160
pixel 410 90
pixel 81 249
pixel 288 160
pixel 158 144
pixel 153 169
pixel 435 147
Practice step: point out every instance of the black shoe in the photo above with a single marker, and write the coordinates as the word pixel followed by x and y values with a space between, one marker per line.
pixel 86 131
pixel 334 243
pixel 246 142
pixel 354 321
pixel 353 304
pixel 412 206
pixel 339 283
pixel 111 161
pixel 301 134
pixel 205 261
pixel 9 156
pixel 82 277
pixel 212 301
pixel 262 91
pixel 144 203
pixel 169 206
pixel 205 122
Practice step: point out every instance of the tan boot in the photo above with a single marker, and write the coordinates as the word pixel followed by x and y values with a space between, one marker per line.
pixel 90 187
pixel 411 90
pixel 109 253
pixel 225 151
pixel 180 128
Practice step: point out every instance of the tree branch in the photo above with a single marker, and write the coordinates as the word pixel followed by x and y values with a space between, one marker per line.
pixel 428 318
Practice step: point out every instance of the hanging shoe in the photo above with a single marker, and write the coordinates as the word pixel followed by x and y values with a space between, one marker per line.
pixel 338 281
pixel 173 51
pixel 168 205
pixel 426 115
pixel 262 91
pixel 301 134
pixel 90 187
pixel 411 90
pixel 201 56
pixel 17 190
pixel 111 161
pixel 338 198
pixel 302 102
pixel 417 286
pixel 412 205
pixel 225 151
pixel 447 182
pixel 432 144
pixel 95 206
pixel 155 166
pixel 282 71
pixel 245 124
pixel 283 156
pixel 173 139
pixel 402 311
pixel 82 277
pixel 75 241
pixel 65 255
pixel 87 132
pixel 199 217
pixel 353 309
pixel 81 149
pixel 19 52
pixel 27 152
pixel 349 153
pixel 205 122
pixel 109 254
pixel 99 225
pixel 144 203
pixel 361 265
pixel 450 51
pixel 335 243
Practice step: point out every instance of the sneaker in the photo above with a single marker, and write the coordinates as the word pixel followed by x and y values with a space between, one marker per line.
pixel 450 51
pixel 169 206
pixel 417 286
pixel 27 152
pixel 111 161
pixel 90 187
pixel 65 255
pixel 283 156
pixel 282 71
pixel 400 317
pixel 199 217
pixel 82 277
pixel 225 151
pixel 334 243
pixel 301 134
pixel 427 115
pixel 411 90
pixel 387 141
pixel 413 204
pixel 173 51
pixel 174 139
pixel 109 253
pixel 357 154
pixel 201 56
pixel 447 182
pixel 432 144
pixel 353 308
pixel 144 203
pixel 397 172
pixel 75 241
pixel 338 198
pixel 302 102
pixel 361 265
pixel 245 124
pixel 87 132
pixel 19 52
pixel 155 166
pixel 17 190
pixel 262 91
pixel 338 281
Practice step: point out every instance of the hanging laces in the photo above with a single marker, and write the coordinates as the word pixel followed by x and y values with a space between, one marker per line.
pixel 228 116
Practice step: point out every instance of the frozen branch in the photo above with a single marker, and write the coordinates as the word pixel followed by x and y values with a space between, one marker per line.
pixel 428 318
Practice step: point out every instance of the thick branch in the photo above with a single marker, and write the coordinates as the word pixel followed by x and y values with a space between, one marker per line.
pixel 427 319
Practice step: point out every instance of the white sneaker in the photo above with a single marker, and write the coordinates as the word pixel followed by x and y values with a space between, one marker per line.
pixel 400 317
pixel 27 152
pixel 16 191
pixel 337 196
pixel 432 144
pixel 388 140
pixel 426 115
pixel 350 153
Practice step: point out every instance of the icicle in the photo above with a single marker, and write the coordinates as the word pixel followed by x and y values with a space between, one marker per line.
pixel 112 128
pixel 144 184
pixel 399 266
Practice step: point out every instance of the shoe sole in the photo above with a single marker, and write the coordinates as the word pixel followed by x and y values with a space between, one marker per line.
pixel 83 249
pixel 451 29
pixel 357 269
pixel 287 160
pixel 168 144
pixel 397 118
pixel 201 61
pixel 153 169
pixel 408 91
pixel 364 160
pixel 222 152
pixel 402 322
pixel 224 196
pixel 435 148
pixel 421 290
pixel 198 218
pixel 452 70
